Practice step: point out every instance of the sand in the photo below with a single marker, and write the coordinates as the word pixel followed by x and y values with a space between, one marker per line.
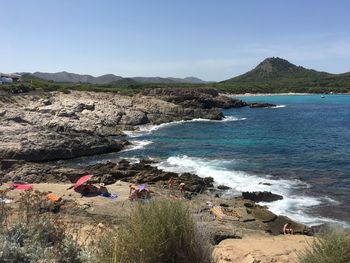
pixel 262 249
pixel 252 248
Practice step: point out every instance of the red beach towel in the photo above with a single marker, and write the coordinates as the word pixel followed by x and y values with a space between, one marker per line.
pixel 23 187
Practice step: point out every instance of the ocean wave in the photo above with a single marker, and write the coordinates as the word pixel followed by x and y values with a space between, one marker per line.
pixel 148 128
pixel 279 106
pixel 294 207
pixel 136 145
pixel 238 180
pixel 291 205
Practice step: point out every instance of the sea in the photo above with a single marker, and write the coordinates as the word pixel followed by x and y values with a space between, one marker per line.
pixel 299 149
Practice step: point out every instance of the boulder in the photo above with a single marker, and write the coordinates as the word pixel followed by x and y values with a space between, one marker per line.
pixel 223 187
pixel 263 214
pixel 275 227
pixel 134 118
pixel 261 196
pixel 261 105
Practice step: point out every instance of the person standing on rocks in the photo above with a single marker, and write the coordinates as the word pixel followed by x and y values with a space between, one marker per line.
pixel 171 183
pixel 182 188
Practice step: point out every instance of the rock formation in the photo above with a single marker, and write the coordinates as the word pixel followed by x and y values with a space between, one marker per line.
pixel 56 125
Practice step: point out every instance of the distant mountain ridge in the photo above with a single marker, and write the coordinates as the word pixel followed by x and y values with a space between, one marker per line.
pixel 110 78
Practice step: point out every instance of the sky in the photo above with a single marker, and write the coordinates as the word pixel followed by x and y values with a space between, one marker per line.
pixel 210 39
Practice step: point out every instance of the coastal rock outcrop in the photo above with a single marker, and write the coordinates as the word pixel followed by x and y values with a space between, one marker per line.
pixel 55 125
pixel 261 105
pixel 204 98
pixel 261 196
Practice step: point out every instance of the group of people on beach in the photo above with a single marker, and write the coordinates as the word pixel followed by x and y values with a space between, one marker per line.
pixel 139 192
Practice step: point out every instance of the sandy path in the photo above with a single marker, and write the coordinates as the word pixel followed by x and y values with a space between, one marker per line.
pixel 261 249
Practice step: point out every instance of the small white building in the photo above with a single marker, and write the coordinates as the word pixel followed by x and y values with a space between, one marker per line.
pixel 9 78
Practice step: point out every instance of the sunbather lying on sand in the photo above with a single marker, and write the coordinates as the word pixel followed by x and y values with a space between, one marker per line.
pixel 103 190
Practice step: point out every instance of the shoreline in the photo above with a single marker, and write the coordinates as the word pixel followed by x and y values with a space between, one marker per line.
pixel 88 108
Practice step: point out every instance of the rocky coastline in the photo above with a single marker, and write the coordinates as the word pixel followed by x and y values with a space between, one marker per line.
pixel 39 129
pixel 246 215
pixel 55 125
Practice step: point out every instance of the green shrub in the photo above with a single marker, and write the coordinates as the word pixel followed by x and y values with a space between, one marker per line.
pixel 332 246
pixel 28 235
pixel 38 243
pixel 162 231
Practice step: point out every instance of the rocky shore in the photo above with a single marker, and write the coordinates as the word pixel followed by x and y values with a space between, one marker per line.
pixel 245 215
pixel 38 129
pixel 56 125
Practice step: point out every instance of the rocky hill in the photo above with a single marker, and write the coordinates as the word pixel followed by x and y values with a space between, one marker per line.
pixel 279 75
pixel 272 69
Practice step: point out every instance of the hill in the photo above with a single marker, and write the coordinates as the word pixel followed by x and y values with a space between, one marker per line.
pixel 76 78
pixel 66 77
pixel 277 69
pixel 279 75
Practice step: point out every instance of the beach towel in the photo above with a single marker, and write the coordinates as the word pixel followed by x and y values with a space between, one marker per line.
pixel 112 196
pixel 217 212
pixel 54 198
pixel 23 187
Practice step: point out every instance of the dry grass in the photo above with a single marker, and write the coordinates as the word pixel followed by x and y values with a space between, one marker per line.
pixel 333 246
pixel 160 231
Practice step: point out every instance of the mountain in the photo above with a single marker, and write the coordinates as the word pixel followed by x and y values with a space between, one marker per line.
pixel 279 75
pixel 76 78
pixel 273 69
pixel 110 78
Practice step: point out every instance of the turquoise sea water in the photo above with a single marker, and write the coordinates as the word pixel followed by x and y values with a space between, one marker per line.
pixel 300 149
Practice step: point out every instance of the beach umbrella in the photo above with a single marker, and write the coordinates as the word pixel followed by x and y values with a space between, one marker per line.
pixel 82 180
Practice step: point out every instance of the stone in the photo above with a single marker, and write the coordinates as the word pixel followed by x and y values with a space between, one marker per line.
pixel 261 105
pixel 275 227
pixel 263 214
pixel 261 196
pixel 223 187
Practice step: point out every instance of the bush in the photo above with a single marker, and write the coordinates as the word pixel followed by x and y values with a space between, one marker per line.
pixel 332 246
pixel 162 231
pixel 27 235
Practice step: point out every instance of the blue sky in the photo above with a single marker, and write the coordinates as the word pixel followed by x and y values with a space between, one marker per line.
pixel 213 40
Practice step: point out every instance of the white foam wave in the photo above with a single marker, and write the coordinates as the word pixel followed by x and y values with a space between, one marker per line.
pixel 148 128
pixel 233 118
pixel 137 145
pixel 292 206
pixel 279 106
